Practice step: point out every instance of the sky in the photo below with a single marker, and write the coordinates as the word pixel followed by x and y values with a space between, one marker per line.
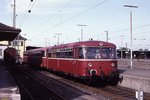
pixel 50 21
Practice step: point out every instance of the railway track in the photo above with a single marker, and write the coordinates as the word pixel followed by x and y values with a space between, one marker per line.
pixel 36 86
pixel 73 89
pixel 101 92
pixel 57 86
pixel 125 92
pixel 30 88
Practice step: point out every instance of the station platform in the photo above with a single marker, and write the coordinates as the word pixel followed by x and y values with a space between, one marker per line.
pixel 8 88
pixel 136 78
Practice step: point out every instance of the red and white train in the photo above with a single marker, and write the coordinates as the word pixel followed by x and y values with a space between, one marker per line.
pixel 87 59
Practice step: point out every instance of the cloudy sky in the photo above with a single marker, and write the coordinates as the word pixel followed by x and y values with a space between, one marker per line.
pixel 49 19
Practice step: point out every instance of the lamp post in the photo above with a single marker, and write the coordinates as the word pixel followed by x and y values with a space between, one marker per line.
pixel 16 41
pixel 14 14
pixel 57 37
pixel 131 50
pixel 121 44
pixel 46 41
pixel 106 36
pixel 81 30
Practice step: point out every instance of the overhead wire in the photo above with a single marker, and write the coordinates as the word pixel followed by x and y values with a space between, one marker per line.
pixel 138 35
pixel 24 16
pixel 126 32
pixel 78 14
pixel 66 20
pixel 32 4
pixel 53 16
pixel 65 6
pixel 28 10
pixel 127 29
pixel 134 28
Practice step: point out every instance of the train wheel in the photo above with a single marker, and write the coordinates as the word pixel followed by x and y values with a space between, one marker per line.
pixel 87 80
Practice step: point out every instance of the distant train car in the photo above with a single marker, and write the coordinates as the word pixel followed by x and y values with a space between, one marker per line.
pixel 88 60
pixel 10 55
pixel 35 57
pixel 26 56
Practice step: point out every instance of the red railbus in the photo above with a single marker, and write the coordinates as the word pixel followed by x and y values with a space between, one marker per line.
pixel 88 60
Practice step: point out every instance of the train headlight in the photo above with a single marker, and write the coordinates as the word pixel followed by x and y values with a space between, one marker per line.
pixel 89 64
pixel 93 72
pixel 112 64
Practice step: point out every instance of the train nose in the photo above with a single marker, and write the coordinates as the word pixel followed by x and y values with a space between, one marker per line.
pixel 93 72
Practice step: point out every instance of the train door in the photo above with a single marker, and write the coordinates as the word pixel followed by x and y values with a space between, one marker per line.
pixel 75 55
pixel 46 55
pixel 58 68
pixel 46 59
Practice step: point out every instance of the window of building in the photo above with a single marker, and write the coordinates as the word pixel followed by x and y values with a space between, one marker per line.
pixel 21 43
pixel 15 43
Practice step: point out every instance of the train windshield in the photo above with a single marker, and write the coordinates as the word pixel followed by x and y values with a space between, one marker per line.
pixel 97 53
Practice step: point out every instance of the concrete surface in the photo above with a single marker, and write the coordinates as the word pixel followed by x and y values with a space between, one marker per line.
pixel 8 88
pixel 137 78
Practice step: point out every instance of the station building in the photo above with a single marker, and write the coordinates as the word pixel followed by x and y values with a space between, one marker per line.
pixel 124 53
pixel 9 37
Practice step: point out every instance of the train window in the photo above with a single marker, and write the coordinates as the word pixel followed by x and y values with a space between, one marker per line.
pixel 82 53
pixel 69 54
pixel 64 55
pixel 49 54
pixel 52 55
pixel 100 53
pixel 43 54
pixel 108 53
pixel 37 55
pixel 58 55
pixel 93 53
pixel 61 54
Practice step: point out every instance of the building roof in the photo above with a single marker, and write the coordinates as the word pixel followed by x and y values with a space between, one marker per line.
pixel 20 38
pixel 8 33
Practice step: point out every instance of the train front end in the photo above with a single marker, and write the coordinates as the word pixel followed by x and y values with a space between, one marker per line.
pixel 98 61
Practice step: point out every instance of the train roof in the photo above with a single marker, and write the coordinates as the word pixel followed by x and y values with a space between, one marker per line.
pixel 85 43
pixel 38 49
